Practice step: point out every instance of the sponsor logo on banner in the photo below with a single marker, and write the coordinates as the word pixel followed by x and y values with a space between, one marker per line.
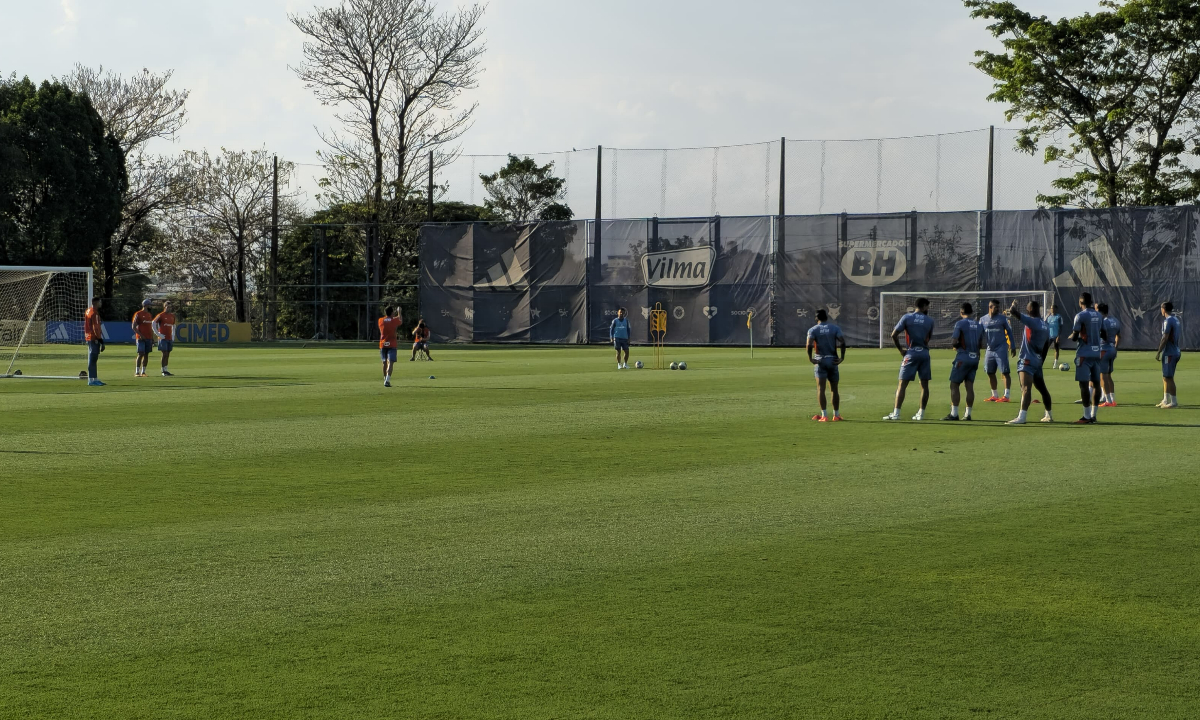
pixel 874 262
pixel 504 275
pixel 1093 266
pixel 212 333
pixel 11 331
pixel 678 312
pixel 685 268
pixel 834 311
pixel 710 311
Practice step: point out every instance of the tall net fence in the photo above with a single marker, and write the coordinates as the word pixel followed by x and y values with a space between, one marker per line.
pixel 928 173
pixel 721 278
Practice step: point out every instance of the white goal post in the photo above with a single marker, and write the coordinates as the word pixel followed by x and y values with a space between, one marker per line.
pixel 41 321
pixel 944 309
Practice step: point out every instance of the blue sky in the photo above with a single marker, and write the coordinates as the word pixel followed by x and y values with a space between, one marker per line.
pixel 563 73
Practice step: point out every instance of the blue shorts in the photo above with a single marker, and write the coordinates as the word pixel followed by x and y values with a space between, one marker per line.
pixel 964 368
pixel 1029 365
pixel 913 367
pixel 144 346
pixel 994 362
pixel 826 369
pixel 621 343
pixel 388 354
pixel 166 346
pixel 1106 363
pixel 1169 362
pixel 1087 370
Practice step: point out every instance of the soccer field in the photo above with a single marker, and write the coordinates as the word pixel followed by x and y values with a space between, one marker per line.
pixel 273 534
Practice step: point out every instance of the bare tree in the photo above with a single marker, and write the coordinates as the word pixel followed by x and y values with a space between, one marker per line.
pixel 394 69
pixel 219 236
pixel 136 110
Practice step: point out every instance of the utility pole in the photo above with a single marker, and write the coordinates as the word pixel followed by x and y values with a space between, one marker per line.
pixel 272 315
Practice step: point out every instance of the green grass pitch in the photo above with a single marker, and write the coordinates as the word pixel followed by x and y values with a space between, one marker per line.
pixel 273 534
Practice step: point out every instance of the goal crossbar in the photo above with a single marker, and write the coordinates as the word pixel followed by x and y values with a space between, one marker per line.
pixel 886 319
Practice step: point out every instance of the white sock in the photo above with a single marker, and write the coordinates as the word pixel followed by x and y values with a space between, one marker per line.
pixel 1022 415
pixel 968 411
pixel 1112 398
pixel 1005 392
pixel 953 411
pixel 993 393
pixel 896 412
pixel 921 413
pixel 1048 415
pixel 822 413
pixel 1091 412
pixel 1174 400
pixel 837 413
pixel 165 368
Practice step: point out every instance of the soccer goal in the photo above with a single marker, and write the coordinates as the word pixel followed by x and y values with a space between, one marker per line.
pixel 944 309
pixel 41 321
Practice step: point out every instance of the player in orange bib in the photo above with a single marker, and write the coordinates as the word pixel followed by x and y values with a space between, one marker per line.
pixel 164 328
pixel 388 325
pixel 143 335
pixel 420 340
pixel 93 333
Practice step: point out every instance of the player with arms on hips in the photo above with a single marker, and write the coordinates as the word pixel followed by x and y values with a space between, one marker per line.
pixel 1169 352
pixel 420 340
pixel 1088 333
pixel 388 325
pixel 967 338
pixel 143 335
pixel 918 331
pixel 826 350
pixel 1112 340
pixel 1054 323
pixel 93 333
pixel 999 336
pixel 1034 348
pixel 164 329
pixel 618 335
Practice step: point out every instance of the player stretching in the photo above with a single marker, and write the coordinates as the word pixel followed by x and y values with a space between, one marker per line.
pixel 1088 333
pixel 1168 351
pixel 618 335
pixel 1112 332
pixel 1054 324
pixel 918 331
pixel 967 338
pixel 164 328
pixel 999 341
pixel 1034 347
pixel 93 333
pixel 420 339
pixel 388 325
pixel 825 341
pixel 143 334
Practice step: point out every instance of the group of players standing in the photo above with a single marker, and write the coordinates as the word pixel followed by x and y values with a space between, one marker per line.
pixel 1097 335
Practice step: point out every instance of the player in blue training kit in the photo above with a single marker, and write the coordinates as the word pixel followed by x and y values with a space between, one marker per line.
pixel 918 330
pixel 967 338
pixel 1169 352
pixel 1112 332
pixel 1034 348
pixel 1054 323
pixel 1000 347
pixel 825 340
pixel 1088 333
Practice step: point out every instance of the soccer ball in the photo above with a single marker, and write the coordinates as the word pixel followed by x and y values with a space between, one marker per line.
pixel 1064 367
pixel 674 366
pixel 683 366
pixel 638 364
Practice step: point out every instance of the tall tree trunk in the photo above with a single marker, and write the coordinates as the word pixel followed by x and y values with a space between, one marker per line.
pixel 241 279
pixel 109 269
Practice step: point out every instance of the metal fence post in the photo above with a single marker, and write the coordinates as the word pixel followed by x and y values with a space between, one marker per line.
pixel 780 227
pixel 594 266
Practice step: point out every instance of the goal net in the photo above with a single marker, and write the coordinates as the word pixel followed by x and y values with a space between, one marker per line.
pixel 944 309
pixel 41 321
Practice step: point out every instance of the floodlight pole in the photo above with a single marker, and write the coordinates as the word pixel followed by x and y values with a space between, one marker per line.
pixel 594 265
pixel 273 294
pixel 429 206
pixel 986 256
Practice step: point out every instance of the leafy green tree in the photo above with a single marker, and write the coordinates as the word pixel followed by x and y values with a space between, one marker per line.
pixel 522 191
pixel 1113 94
pixel 62 176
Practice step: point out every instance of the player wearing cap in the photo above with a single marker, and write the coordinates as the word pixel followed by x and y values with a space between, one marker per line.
pixel 164 328
pixel 143 335
pixel 93 333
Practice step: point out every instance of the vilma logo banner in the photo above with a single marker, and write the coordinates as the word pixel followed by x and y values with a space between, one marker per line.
pixel 686 268
pixel 874 262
